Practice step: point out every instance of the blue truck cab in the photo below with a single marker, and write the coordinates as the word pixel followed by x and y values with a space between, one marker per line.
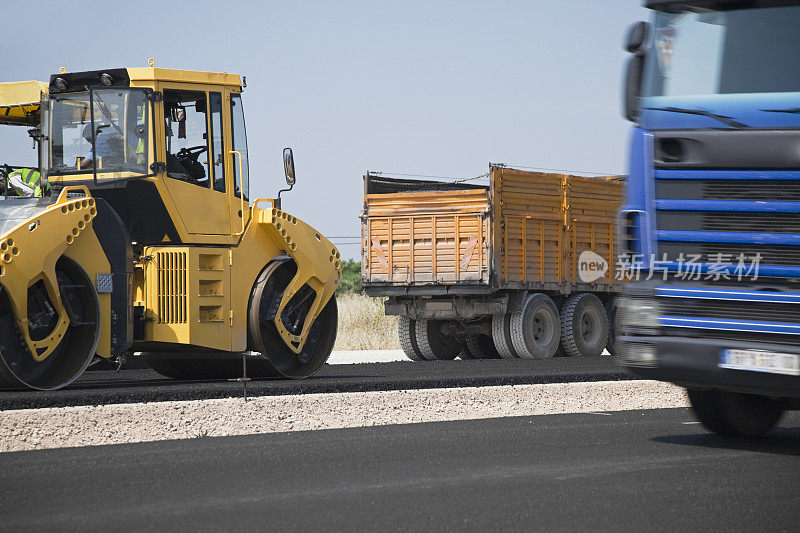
pixel 711 226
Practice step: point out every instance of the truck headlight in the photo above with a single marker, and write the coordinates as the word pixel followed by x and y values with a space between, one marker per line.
pixel 637 312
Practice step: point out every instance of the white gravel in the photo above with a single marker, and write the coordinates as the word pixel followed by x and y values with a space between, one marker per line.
pixel 29 429
pixel 351 357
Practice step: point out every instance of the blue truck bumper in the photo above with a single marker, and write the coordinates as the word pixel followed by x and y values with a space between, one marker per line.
pixel 694 362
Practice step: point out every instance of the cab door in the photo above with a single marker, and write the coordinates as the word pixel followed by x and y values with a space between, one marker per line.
pixel 195 158
pixel 239 164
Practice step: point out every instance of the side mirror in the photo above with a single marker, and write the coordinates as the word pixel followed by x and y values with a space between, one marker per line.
pixel 288 166
pixel 637 37
pixel 636 44
pixel 633 87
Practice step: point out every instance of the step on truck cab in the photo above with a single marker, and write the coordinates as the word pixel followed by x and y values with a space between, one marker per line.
pixel 144 237
pixel 517 267
pixel 712 216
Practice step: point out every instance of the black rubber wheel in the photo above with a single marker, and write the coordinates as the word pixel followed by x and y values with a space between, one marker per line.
pixel 501 335
pixel 734 413
pixel 433 344
pixel 75 349
pixel 481 346
pixel 536 330
pixel 611 314
pixel 407 336
pixel 584 325
pixel 263 336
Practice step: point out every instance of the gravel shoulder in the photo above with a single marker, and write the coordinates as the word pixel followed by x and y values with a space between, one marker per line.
pixel 31 429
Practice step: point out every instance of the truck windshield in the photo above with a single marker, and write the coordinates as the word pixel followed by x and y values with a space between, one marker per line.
pixel 122 125
pixel 724 52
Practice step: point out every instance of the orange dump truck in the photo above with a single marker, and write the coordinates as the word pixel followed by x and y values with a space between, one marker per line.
pixel 521 267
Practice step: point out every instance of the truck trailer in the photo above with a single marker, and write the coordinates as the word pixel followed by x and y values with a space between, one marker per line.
pixel 713 207
pixel 520 267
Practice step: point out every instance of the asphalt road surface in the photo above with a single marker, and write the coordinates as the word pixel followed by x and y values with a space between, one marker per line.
pixel 105 386
pixel 630 471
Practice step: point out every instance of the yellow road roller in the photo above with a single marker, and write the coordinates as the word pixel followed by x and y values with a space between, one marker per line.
pixel 141 236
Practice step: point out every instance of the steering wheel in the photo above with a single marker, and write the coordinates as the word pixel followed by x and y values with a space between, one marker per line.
pixel 192 151
pixel 187 157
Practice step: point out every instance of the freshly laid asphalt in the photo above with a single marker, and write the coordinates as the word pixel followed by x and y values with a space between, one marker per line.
pixel 630 471
pixel 144 385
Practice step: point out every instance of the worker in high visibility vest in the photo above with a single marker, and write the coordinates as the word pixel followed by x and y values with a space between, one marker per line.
pixel 25 182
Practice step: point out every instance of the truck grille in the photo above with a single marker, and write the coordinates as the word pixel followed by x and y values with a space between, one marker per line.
pixel 733 310
pixel 720 189
pixel 715 201
pixel 726 221
pixel 769 255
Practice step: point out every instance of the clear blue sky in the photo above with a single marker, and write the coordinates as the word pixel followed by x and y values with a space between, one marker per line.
pixel 419 87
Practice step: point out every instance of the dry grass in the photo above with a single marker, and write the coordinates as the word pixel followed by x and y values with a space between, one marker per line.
pixel 363 325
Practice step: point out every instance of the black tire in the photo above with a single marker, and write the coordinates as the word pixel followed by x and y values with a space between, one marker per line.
pixel 501 335
pixel 584 325
pixel 465 353
pixel 75 349
pixel 734 413
pixel 407 336
pixel 433 344
pixel 263 336
pixel 536 330
pixel 481 346
pixel 611 314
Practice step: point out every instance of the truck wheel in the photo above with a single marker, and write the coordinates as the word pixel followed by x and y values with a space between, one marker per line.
pixel 481 346
pixel 536 331
pixel 734 413
pixel 433 344
pixel 501 335
pixel 408 341
pixel 584 325
pixel 611 314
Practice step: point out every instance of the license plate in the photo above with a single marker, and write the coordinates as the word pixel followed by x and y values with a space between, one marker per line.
pixel 761 361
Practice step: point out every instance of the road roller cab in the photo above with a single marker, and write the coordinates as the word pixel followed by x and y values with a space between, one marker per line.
pixel 149 241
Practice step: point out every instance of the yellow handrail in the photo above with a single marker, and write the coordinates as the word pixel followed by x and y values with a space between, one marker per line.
pixel 241 190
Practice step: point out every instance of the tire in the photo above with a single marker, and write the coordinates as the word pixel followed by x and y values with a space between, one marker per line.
pixel 536 331
pixel 734 413
pixel 73 351
pixel 584 325
pixel 408 341
pixel 433 344
pixel 611 314
pixel 501 335
pixel 466 353
pixel 481 346
pixel 263 336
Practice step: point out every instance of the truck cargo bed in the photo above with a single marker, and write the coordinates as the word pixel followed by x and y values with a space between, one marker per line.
pixel 524 230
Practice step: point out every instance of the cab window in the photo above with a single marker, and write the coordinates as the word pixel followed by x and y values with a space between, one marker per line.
pixel 186 130
pixel 217 153
pixel 239 143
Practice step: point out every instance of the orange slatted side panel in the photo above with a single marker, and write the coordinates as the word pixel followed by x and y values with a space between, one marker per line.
pixel 425 237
